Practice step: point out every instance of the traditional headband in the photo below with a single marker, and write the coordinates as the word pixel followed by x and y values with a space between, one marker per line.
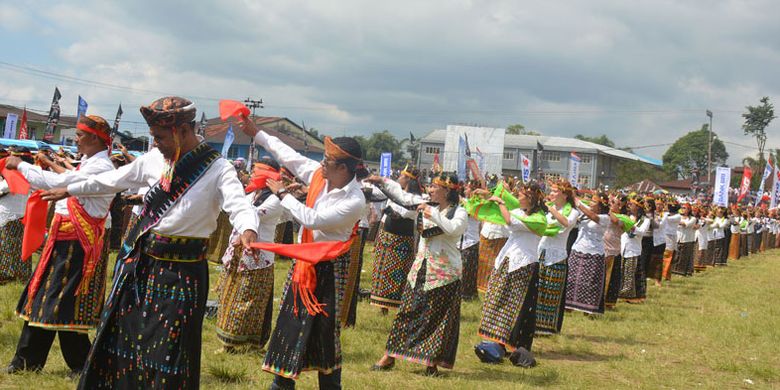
pixel 336 152
pixel 103 136
pixel 409 174
pixel 446 183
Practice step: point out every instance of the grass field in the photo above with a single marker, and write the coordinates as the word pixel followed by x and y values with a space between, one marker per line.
pixel 718 329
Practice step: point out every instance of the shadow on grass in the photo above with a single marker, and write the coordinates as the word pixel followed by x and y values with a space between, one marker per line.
pixel 603 339
pixel 486 373
pixel 578 357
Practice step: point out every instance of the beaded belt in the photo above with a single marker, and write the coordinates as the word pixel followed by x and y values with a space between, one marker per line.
pixel 174 248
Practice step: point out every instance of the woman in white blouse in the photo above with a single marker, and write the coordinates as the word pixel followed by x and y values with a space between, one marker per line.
pixel 682 264
pixel 426 328
pixel 508 311
pixel 587 267
pixel 631 250
pixel 561 218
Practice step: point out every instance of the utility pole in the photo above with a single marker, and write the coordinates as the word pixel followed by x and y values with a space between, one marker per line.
pixel 709 150
pixel 253 104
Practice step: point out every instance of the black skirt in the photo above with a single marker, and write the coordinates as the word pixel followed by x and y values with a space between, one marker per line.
pixel 150 331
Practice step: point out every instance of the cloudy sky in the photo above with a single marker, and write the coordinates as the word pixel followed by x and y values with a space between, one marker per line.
pixel 642 72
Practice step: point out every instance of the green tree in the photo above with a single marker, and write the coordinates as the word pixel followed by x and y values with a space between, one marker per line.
pixel 757 118
pixel 381 142
pixel 518 129
pixel 600 140
pixel 689 154
pixel 630 172
pixel 315 133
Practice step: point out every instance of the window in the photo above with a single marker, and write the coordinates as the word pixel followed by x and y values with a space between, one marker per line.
pixel 232 153
pixel 551 156
pixel 584 181
pixel 586 158
pixel 509 155
pixel 431 149
pixel 552 176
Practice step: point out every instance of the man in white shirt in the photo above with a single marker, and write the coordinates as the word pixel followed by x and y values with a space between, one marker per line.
pixel 307 330
pixel 160 289
pixel 65 294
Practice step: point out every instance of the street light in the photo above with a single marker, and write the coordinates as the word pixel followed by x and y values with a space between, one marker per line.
pixel 709 149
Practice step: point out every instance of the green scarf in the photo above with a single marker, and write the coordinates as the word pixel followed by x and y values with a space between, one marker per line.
pixel 555 228
pixel 628 224
pixel 743 224
pixel 536 222
pixel 485 210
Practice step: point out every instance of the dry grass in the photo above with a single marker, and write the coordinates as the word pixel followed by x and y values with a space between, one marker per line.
pixel 718 329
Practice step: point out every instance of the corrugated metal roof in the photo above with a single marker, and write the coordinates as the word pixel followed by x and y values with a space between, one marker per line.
pixel 562 144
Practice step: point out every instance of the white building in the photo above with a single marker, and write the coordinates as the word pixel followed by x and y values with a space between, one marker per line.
pixel 598 163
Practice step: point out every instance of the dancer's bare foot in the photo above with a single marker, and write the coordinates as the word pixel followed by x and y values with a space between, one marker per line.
pixel 384 364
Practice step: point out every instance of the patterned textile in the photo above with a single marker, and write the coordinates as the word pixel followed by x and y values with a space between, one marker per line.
pixel 131 220
pixel 150 331
pixel 220 238
pixel 700 258
pixel 744 244
pixel 612 280
pixel 349 314
pixel 655 263
pixel 427 325
pixel 470 258
pixel 550 302
pixel 169 111
pixel 245 309
pixel 12 268
pixel 667 263
pixel 714 252
pixel 509 309
pixel 300 342
pixel 628 287
pixel 682 262
pixel 172 248
pixel 488 251
pixel 393 258
pixel 119 216
pixel 585 282
pixel 55 305
pixel 641 272
pixel 751 244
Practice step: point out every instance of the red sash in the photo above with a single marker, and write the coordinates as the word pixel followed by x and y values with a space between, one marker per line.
pixel 79 225
pixel 309 253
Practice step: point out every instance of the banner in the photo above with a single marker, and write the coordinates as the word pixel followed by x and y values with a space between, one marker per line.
pixel 229 137
pixel 82 108
pixel 115 129
pixel 10 126
pixel 525 166
pixel 54 116
pixel 720 194
pixel 574 170
pixel 461 159
pixel 744 187
pixel 436 166
pixel 385 160
pixel 480 160
pixel 775 200
pixel 23 125
pixel 767 173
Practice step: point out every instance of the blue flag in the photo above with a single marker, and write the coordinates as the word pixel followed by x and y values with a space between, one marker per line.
pixel 385 169
pixel 82 108
pixel 229 137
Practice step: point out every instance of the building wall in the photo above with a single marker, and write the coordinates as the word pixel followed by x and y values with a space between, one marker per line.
pixel 554 163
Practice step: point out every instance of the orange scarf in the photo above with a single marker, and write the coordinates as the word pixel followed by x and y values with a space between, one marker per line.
pixel 34 220
pixel 309 253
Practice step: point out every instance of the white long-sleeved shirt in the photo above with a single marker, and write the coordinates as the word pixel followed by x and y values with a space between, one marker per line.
pixel 555 247
pixel 493 231
pixel 12 206
pixel 522 246
pixel 196 211
pixel 335 211
pixel 687 229
pixel 98 163
pixel 669 224
pixel 632 246
pixel 590 238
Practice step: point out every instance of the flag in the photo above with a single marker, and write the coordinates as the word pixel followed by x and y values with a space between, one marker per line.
pixel 539 146
pixel 10 126
pixel 468 149
pixel 461 159
pixel 744 187
pixel 480 160
pixel 411 138
pixel 525 167
pixel 720 194
pixel 115 129
pixel 229 137
pixel 54 116
pixel 23 125
pixel 384 164
pixel 574 170
pixel 202 125
pixel 82 110
pixel 775 200
pixel 436 166
pixel 767 173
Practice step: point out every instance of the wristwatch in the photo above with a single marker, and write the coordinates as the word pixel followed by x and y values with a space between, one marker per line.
pixel 280 194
